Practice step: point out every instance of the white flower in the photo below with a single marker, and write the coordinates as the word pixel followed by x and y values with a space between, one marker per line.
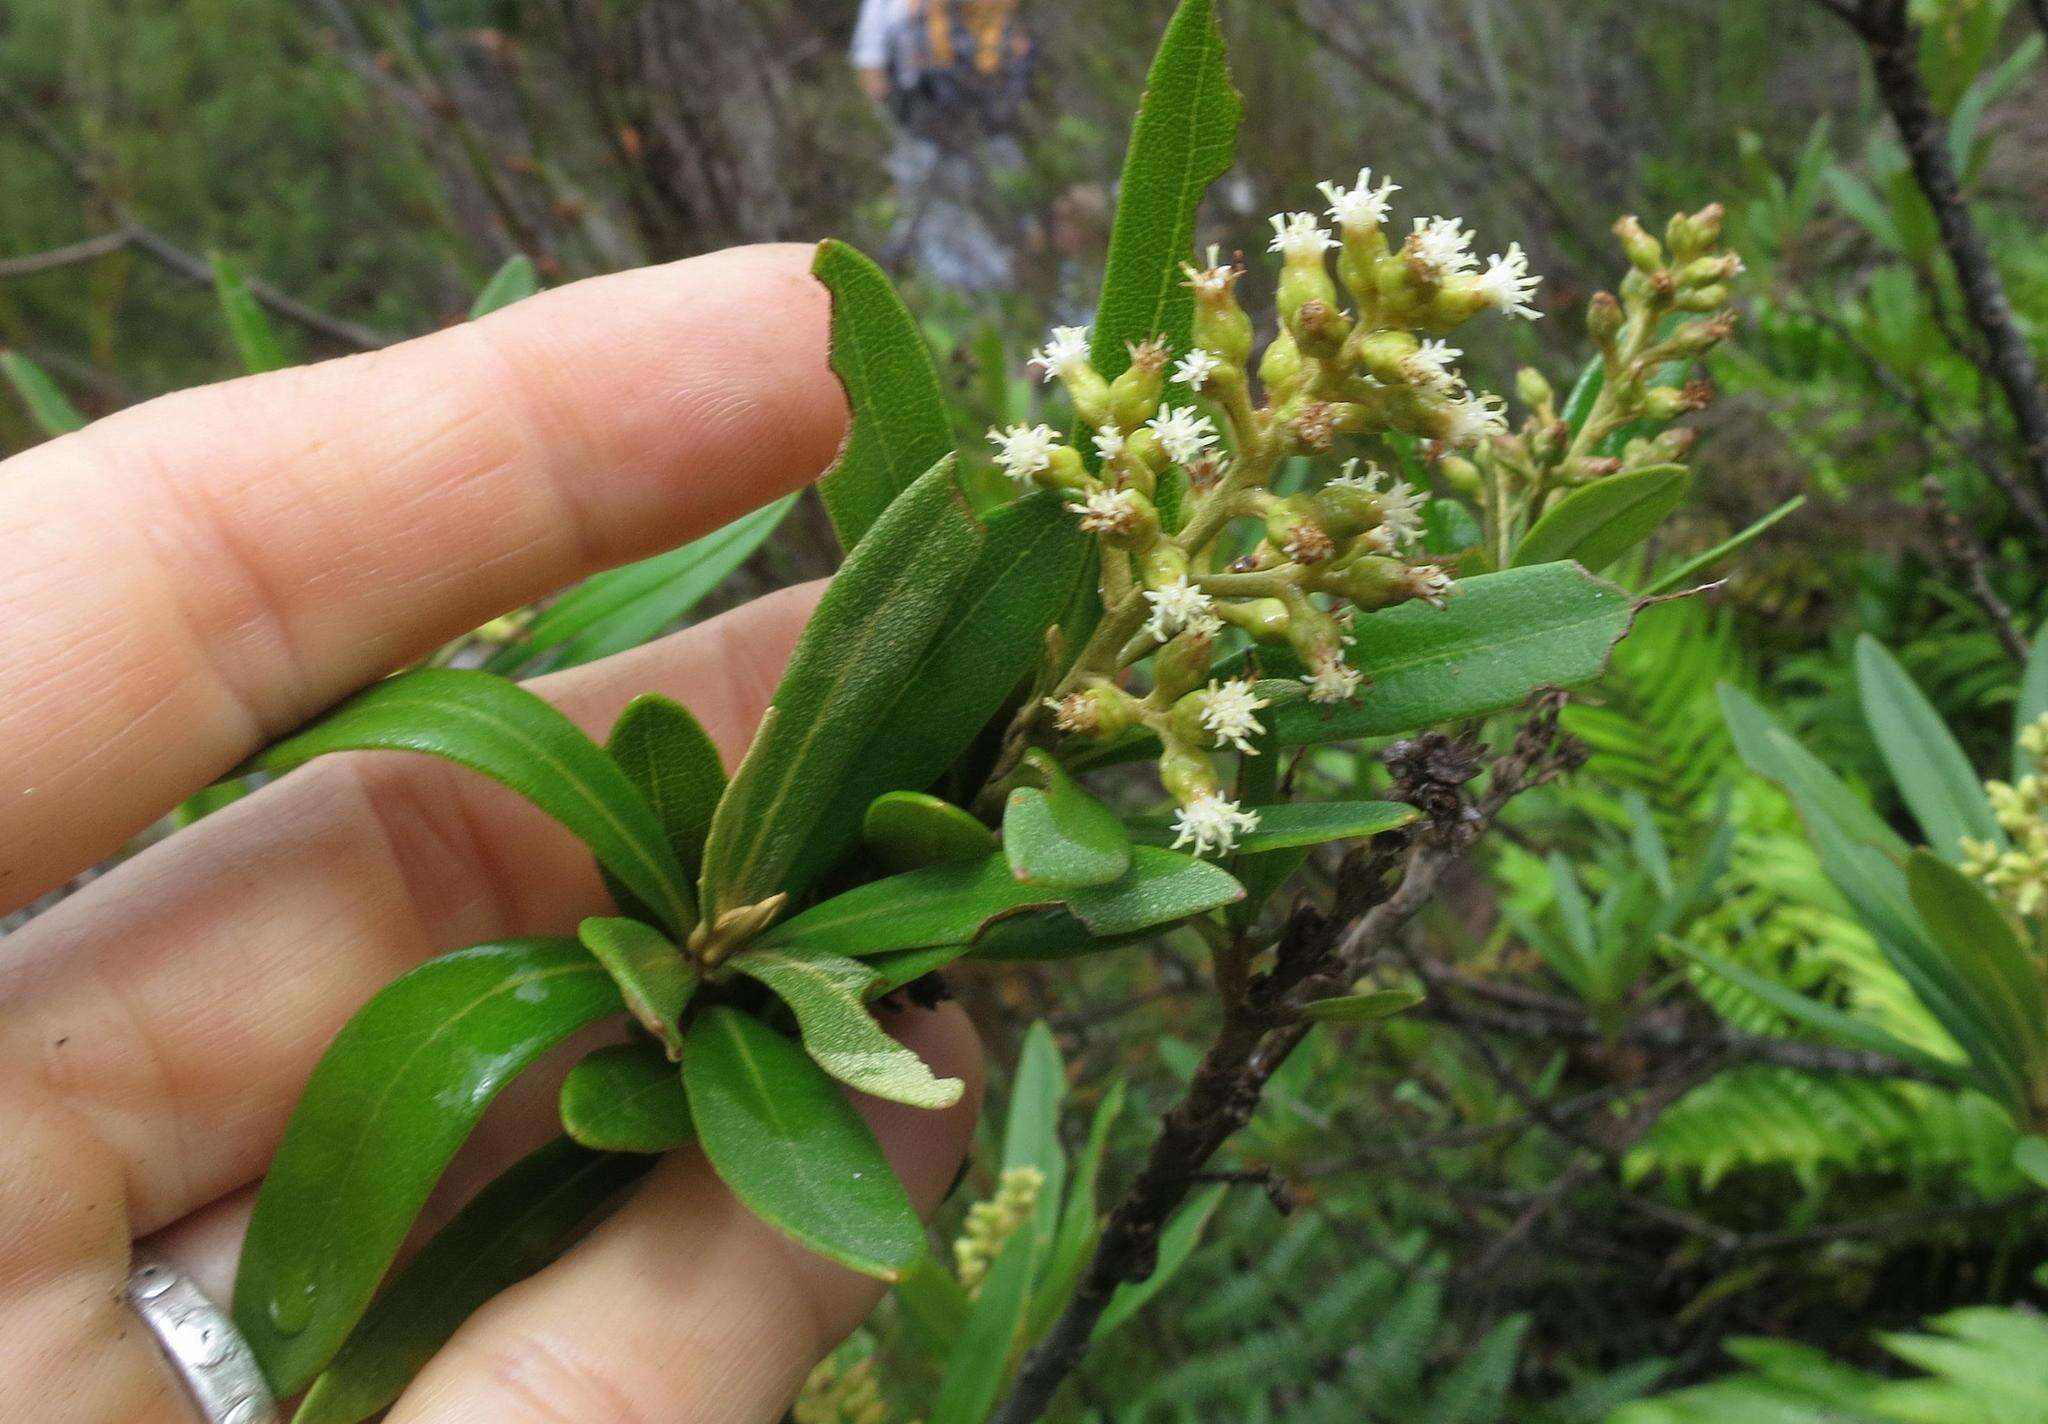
pixel 1196 367
pixel 1400 506
pixel 1212 823
pixel 1351 479
pixel 1179 607
pixel 1024 450
pixel 1362 205
pixel 1430 367
pixel 1333 680
pixel 1475 419
pixel 1442 245
pixel 1067 350
pixel 1213 280
pixel 1108 512
pixel 1429 583
pixel 1506 282
pixel 1228 714
pixel 1298 236
pixel 1109 443
pixel 1183 433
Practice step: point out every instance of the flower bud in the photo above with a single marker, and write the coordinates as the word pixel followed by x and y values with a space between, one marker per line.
pixel 1221 325
pixel 1670 402
pixel 1312 633
pixel 1319 329
pixel 1143 451
pixel 1460 474
pixel 1672 446
pixel 1064 470
pixel 1304 279
pixel 1707 271
pixel 1643 250
pixel 1696 338
pixel 1161 564
pixel 1293 527
pixel 1533 389
pixel 1098 713
pixel 1604 319
pixel 1183 664
pixel 1702 299
pixel 1088 391
pixel 1384 355
pixel 1134 396
pixel 1281 368
pixel 1186 773
pixel 1264 619
pixel 1691 236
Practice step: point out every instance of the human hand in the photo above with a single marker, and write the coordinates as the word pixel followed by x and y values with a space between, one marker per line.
pixel 192 578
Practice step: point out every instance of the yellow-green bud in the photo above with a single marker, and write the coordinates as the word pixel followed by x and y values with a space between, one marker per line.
pixel 1604 319
pixel 1383 355
pixel 1696 338
pixel 1319 329
pixel 1088 391
pixel 1064 470
pixel 1183 664
pixel 1264 619
pixel 1668 402
pixel 1098 713
pixel 1312 633
pixel 1134 396
pixel 1691 236
pixel 1346 510
pixel 1222 327
pixel 1161 564
pixel 1643 250
pixel 1143 450
pixel 1533 389
pixel 1292 527
pixel 1460 474
pixel 1304 279
pixel 1186 773
pixel 1281 367
pixel 1702 299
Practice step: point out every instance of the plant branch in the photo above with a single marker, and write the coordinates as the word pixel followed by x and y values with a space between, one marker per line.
pixel 1963 550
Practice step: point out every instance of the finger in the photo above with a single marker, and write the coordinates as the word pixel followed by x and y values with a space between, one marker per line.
pixel 193 577
pixel 179 1004
pixel 684 1305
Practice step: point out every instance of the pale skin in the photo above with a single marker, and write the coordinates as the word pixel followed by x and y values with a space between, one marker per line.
pixel 188 580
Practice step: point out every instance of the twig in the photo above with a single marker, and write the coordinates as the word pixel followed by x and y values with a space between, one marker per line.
pixel 187 264
pixel 1892 40
pixel 1967 554
pixel 70 255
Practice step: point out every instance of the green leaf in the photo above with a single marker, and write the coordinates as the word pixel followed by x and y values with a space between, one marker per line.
pixel 2007 986
pixel 510 1230
pixel 1184 139
pixel 908 830
pixel 780 1135
pixel 828 993
pixel 1176 1243
pixel 1585 391
pixel 908 965
pixel 990 638
pixel 50 409
pixel 1363 1008
pixel 1448 528
pixel 1932 774
pixel 1500 638
pixel 1080 1222
pixel 2030 1156
pixel 1059 836
pixel 626 1098
pixel 654 977
pixel 979 1363
pixel 1040 935
pixel 1824 1019
pixel 869 633
pixel 500 729
pixel 1772 752
pixel 1287 825
pixel 255 341
pixel 391 1100
pixel 950 904
pixel 900 427
pixel 1700 563
pixel 672 761
pixel 1031 1130
pixel 1597 523
pixel 515 281
pixel 2033 703
pixel 623 608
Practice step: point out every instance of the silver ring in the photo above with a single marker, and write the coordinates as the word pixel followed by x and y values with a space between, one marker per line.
pixel 202 1344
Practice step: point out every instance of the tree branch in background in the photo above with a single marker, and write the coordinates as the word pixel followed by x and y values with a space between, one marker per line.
pixel 133 233
pixel 1263 1022
pixel 1963 550
pixel 1893 43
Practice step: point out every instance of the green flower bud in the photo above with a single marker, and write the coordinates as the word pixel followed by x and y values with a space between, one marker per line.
pixel 1691 236
pixel 1183 664
pixel 1186 773
pixel 1161 564
pixel 1142 450
pixel 1604 319
pixel 1304 279
pixel 1383 355
pixel 1064 470
pixel 1319 329
pixel 1221 325
pixel 1669 402
pixel 1134 396
pixel 1264 619
pixel 1088 391
pixel 1099 714
pixel 1702 299
pixel 1346 509
pixel 1372 581
pixel 1293 527
pixel 1281 368
pixel 1643 250
pixel 1533 389
pixel 1312 633
pixel 1460 474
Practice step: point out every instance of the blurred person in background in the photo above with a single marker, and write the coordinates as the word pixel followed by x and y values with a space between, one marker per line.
pixel 953 76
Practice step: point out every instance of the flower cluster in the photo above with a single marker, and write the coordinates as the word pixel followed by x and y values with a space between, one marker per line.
pixel 1174 475
pixel 990 1224
pixel 2018 875
pixel 833 1395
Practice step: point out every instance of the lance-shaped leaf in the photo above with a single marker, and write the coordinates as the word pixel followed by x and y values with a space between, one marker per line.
pixel 1031 1131
pixel 392 1099
pixel 1500 638
pixel 255 340
pixel 781 1135
pixel 1598 523
pixel 1363 1008
pixel 623 608
pixel 511 1229
pixel 1176 1244
pixel 515 281
pixel 1080 1223
pixel 500 729
pixel 654 977
pixel 1681 574
pixel 908 965
pixel 673 762
pixel 1936 780
pixel 1287 825
pixel 990 638
pixel 869 633
pixel 1058 835
pixel 950 904
pixel 626 1098
pixel 978 1364
pixel 48 406
pixel 1039 935
pixel 1183 139
pixel 909 830
pixel 828 993
pixel 900 427
pixel 1980 942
